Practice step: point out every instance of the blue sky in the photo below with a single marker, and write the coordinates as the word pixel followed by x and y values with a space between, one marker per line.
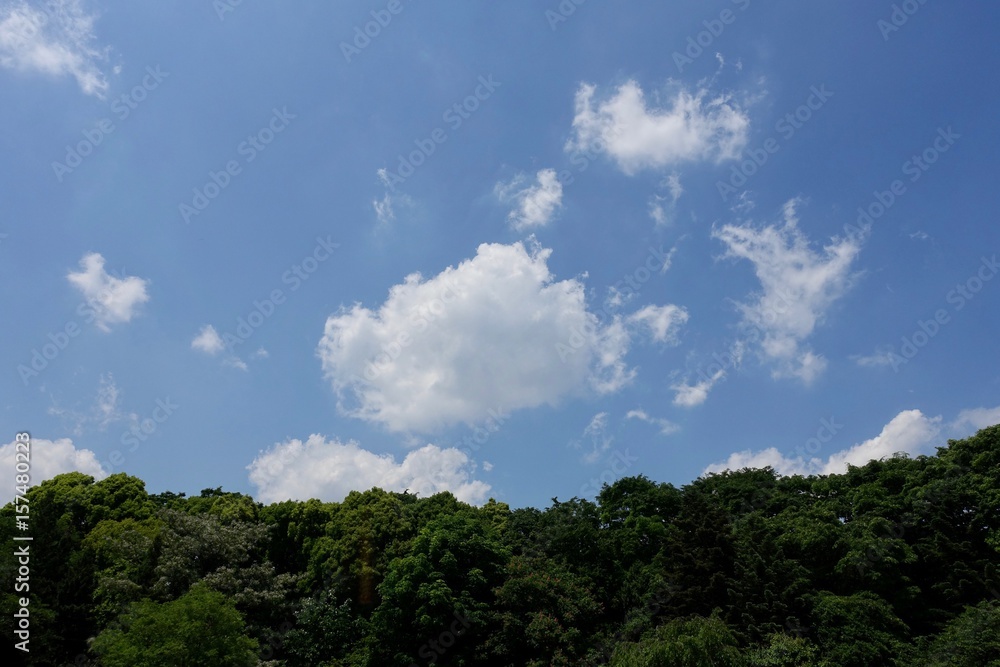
pixel 510 250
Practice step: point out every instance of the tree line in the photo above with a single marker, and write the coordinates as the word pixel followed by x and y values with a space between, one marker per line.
pixel 891 563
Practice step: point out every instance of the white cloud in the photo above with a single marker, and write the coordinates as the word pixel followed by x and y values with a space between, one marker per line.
pixel 666 426
pixel 970 421
pixel 534 205
pixel 235 362
pixel 692 127
pixel 498 330
pixel 56 39
pixel 111 299
pixel 662 321
pixel 662 209
pixel 769 457
pixel 909 432
pixel 383 209
pixel 208 341
pixel 48 459
pixel 330 469
pixel 597 431
pixel 799 285
pixel 105 410
pixel 108 407
pixel 687 395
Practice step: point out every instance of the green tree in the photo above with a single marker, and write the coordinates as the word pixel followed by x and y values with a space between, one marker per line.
pixel 443 588
pixel 784 651
pixel 858 630
pixel 971 640
pixel 544 614
pixel 199 628
pixel 691 642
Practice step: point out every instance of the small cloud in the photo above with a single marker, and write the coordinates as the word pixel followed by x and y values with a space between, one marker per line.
pixel 662 322
pixel 208 341
pixel 534 205
pixel 663 208
pixel 692 127
pixel 597 431
pixel 112 299
pixel 688 395
pixel 108 406
pixel 487 466
pixel 235 362
pixel 105 410
pixel 666 426
pixel 261 353
pixel 383 209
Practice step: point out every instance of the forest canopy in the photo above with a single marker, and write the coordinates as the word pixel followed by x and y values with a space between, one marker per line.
pixel 892 563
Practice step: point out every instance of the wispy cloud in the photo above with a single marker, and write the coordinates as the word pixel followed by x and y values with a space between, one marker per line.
pixel 666 426
pixel 799 285
pixel 54 39
pixel 534 205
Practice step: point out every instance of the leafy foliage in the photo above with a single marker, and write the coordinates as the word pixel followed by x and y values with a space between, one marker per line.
pixel 892 563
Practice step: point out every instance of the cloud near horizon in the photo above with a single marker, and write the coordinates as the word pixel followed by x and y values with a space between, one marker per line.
pixel 330 469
